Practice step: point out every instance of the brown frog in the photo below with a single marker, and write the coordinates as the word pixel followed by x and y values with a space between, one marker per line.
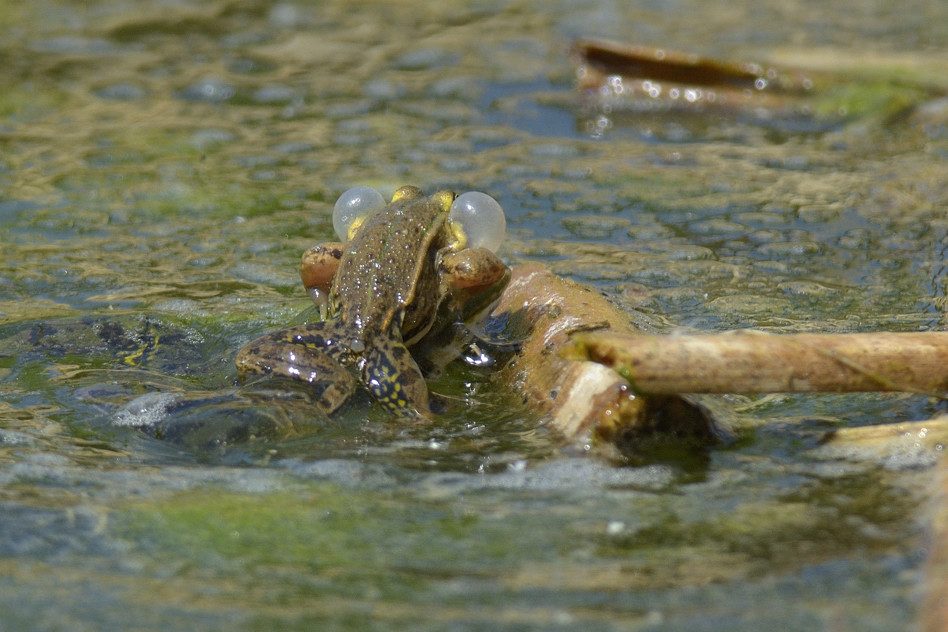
pixel 404 273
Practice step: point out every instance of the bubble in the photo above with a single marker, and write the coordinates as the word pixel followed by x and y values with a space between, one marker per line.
pixel 353 206
pixel 481 219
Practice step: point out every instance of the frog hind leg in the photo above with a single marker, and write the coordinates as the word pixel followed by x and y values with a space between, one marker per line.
pixel 297 354
pixel 394 379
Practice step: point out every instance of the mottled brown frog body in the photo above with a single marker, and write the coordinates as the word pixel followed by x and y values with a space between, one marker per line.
pixel 389 285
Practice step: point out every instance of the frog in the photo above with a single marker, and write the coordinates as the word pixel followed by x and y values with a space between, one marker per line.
pixel 404 275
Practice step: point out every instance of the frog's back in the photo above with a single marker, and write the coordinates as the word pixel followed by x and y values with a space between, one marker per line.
pixel 390 261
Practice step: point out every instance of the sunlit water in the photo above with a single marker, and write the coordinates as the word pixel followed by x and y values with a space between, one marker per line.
pixel 165 164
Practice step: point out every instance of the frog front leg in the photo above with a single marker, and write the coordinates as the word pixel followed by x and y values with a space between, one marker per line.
pixel 318 266
pixel 472 278
pixel 474 268
pixel 301 353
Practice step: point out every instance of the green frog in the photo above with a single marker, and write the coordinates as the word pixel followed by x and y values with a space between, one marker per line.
pixel 405 273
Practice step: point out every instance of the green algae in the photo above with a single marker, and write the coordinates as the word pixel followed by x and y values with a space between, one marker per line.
pixel 321 528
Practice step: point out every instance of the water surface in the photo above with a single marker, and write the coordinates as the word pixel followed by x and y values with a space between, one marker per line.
pixel 164 164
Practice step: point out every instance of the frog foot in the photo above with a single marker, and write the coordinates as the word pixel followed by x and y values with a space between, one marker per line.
pixel 331 380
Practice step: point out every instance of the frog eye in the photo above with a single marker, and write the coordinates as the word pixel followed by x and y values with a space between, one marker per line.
pixel 353 207
pixel 481 220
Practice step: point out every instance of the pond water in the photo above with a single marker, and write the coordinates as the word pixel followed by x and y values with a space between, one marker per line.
pixel 165 163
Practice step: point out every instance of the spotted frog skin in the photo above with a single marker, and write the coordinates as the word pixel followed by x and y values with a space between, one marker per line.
pixel 401 276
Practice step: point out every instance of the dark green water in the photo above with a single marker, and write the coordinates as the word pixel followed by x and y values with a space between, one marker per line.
pixel 163 165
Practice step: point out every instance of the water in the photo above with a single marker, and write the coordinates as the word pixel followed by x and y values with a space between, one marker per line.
pixel 163 167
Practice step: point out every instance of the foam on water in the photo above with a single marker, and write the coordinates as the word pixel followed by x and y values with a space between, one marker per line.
pixel 145 411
